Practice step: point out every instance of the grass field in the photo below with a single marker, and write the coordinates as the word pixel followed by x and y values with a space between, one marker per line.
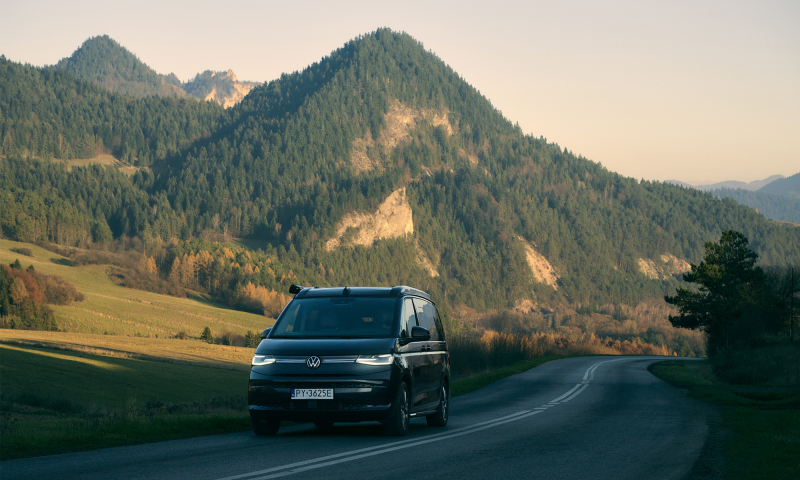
pixel 114 310
pixel 104 159
pixel 93 401
pixel 187 352
pixel 763 422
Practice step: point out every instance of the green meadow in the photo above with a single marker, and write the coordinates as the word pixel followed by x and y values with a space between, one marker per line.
pixel 57 401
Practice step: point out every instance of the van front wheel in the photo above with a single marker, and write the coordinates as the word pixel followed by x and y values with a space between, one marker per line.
pixel 264 425
pixel 397 426
pixel 439 419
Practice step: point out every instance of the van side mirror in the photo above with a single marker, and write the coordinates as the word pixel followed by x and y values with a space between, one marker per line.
pixel 420 334
pixel 265 333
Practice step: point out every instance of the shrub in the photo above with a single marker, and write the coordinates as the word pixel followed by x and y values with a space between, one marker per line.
pixel 252 339
pixel 230 339
pixel 23 251
pixel 207 336
pixel 58 291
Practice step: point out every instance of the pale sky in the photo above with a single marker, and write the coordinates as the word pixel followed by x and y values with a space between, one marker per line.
pixel 699 91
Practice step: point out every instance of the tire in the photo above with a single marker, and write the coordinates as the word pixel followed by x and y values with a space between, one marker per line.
pixel 323 424
pixel 264 425
pixel 439 419
pixel 397 426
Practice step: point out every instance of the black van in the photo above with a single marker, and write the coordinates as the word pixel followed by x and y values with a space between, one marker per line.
pixel 352 354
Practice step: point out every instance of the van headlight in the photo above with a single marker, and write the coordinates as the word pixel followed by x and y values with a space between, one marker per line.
pixel 375 359
pixel 262 360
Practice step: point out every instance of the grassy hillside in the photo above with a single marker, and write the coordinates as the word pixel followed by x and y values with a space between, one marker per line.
pixel 114 310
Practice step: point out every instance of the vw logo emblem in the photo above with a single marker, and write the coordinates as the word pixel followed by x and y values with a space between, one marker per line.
pixel 313 362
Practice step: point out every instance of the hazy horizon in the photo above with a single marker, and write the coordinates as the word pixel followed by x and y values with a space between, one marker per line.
pixel 698 93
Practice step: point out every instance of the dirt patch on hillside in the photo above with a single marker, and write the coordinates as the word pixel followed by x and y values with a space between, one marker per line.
pixel 472 158
pixel 359 158
pixel 525 306
pixel 400 120
pixel 426 262
pixel 542 270
pixel 392 219
pixel 675 264
pixel 670 265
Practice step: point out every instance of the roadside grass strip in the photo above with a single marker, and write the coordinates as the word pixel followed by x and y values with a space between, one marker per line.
pixel 344 457
pixel 761 423
pixel 476 382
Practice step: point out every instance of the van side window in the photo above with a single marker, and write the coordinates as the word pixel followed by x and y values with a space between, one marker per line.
pixel 426 313
pixel 439 327
pixel 408 319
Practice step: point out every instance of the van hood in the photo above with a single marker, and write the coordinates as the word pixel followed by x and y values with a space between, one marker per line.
pixel 325 346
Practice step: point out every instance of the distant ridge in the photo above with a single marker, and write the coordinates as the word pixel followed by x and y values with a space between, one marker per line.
pixel 788 187
pixel 679 183
pixel 107 63
pixel 752 186
pixel 773 206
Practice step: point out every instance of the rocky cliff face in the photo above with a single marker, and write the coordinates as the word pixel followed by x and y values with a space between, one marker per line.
pixel 393 219
pixel 221 87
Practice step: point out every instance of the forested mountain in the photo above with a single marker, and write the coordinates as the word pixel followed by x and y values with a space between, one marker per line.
pixel 776 207
pixel 48 112
pixel 788 187
pixel 775 197
pixel 308 157
pixel 103 61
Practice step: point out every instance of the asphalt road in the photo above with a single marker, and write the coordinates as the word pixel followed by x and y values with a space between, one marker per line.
pixel 586 417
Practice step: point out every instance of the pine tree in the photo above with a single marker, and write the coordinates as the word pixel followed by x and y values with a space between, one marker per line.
pixel 207 336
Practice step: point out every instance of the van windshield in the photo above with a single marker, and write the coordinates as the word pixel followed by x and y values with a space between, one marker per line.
pixel 337 317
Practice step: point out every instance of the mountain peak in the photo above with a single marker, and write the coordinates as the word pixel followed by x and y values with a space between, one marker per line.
pixel 103 61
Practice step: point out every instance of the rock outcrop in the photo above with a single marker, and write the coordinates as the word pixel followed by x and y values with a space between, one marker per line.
pixel 392 219
pixel 670 265
pixel 541 269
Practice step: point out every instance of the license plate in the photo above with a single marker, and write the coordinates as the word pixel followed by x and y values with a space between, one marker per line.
pixel 312 393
